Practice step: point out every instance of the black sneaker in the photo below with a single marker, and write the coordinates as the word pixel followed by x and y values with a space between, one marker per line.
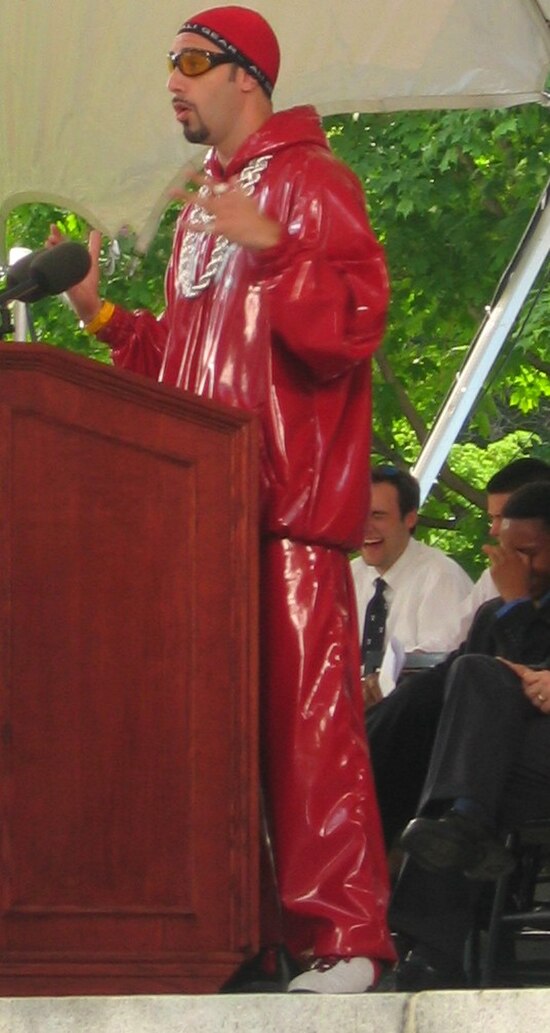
pixel 457 842
pixel 268 972
pixel 415 973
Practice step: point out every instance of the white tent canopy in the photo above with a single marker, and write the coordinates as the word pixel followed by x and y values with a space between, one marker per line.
pixel 85 120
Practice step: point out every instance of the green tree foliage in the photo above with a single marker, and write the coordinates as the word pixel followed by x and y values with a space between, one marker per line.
pixel 450 194
pixel 129 278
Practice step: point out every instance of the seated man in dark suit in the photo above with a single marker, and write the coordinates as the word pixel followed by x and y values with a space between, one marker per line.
pixel 401 728
pixel 490 764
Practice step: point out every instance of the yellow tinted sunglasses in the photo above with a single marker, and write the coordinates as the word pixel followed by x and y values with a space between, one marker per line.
pixel 196 62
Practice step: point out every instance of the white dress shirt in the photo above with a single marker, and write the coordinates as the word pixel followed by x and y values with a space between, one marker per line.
pixel 459 625
pixel 425 588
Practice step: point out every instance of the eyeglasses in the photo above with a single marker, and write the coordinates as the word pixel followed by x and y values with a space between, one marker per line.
pixel 196 62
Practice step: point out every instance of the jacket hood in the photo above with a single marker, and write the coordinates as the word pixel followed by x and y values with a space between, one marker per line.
pixel 300 125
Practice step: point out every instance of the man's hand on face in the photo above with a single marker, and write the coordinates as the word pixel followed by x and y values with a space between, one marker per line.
pixel 509 570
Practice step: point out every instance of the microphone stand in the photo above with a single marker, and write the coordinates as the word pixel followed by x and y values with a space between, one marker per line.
pixel 23 321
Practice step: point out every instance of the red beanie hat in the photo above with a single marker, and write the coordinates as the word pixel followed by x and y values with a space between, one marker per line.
pixel 245 33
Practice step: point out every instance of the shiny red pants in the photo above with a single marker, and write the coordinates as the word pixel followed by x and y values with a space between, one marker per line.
pixel 330 859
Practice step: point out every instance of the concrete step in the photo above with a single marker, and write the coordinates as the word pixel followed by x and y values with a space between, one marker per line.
pixel 466 1011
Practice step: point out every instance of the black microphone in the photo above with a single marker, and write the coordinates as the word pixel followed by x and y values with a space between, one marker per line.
pixel 48 271
pixel 18 275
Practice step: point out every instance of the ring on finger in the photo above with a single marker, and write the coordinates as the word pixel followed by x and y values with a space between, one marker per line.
pixel 540 698
pixel 220 188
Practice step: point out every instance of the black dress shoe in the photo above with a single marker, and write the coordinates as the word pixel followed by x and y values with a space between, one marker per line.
pixel 268 972
pixel 457 842
pixel 416 973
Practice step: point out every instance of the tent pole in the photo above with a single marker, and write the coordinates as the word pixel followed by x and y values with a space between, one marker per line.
pixel 486 345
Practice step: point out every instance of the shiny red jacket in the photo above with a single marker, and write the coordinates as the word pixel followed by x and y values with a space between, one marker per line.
pixel 285 333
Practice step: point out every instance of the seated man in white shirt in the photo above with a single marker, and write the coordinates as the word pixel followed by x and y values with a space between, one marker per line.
pixel 422 584
pixel 401 728
pixel 499 488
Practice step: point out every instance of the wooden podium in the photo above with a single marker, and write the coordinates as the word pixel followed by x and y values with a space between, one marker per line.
pixel 128 678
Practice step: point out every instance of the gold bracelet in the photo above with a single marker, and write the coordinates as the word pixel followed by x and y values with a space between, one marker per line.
pixel 102 318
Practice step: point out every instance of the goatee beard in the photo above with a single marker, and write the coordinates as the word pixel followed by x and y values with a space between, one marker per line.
pixel 199 135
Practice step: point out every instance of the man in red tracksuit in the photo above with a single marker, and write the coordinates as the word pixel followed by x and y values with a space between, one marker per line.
pixel 276 294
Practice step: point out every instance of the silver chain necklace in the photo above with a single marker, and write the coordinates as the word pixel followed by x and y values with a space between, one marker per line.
pixel 186 282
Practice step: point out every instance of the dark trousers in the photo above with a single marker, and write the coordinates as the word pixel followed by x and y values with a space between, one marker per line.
pixel 493 746
pixel 401 731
